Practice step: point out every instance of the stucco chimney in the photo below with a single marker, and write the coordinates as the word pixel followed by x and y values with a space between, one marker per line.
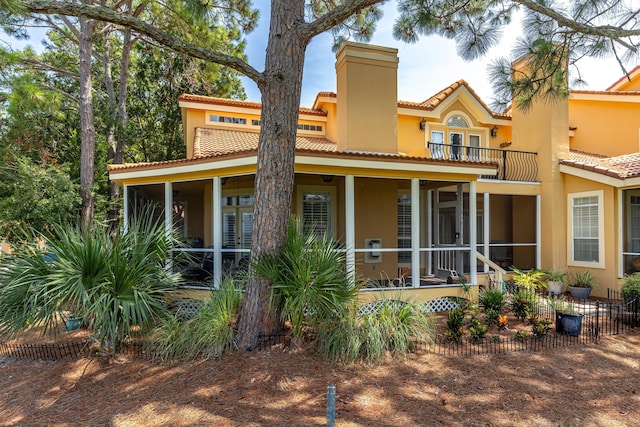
pixel 367 98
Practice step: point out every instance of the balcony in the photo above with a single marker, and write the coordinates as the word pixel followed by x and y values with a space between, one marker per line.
pixel 512 165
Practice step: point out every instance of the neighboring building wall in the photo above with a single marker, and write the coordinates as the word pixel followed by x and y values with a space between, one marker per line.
pixel 604 126
pixel 607 275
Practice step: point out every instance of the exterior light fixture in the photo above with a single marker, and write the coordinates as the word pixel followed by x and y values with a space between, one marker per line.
pixel 494 131
pixel 423 125
pixel 327 178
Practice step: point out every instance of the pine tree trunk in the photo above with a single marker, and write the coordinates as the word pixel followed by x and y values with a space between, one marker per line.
pixel 87 127
pixel 275 166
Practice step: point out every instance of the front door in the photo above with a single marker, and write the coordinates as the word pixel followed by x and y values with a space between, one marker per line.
pixel 237 228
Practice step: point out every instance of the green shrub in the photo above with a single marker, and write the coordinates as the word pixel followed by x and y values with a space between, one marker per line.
pixel 394 328
pixel 539 326
pixel 477 330
pixel 522 304
pixel 492 299
pixel 456 319
pixel 630 289
pixel 583 279
pixel 531 280
pixel 210 333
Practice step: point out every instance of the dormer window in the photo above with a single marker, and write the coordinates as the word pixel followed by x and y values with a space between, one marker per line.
pixel 214 118
pixel 457 122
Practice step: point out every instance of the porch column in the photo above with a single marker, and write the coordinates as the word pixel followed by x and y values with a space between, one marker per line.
pixel 473 235
pixel 486 236
pixel 539 230
pixel 125 208
pixel 459 238
pixel 217 231
pixel 168 215
pixel 429 267
pixel 350 224
pixel 415 232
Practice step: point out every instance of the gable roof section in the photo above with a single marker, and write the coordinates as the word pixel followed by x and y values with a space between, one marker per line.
pixel 625 80
pixel 442 96
pixel 436 100
pixel 215 142
pixel 622 168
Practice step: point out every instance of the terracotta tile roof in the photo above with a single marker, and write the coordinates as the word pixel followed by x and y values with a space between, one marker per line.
pixel 433 102
pixel 236 103
pixel 623 79
pixel 621 167
pixel 238 144
pixel 215 142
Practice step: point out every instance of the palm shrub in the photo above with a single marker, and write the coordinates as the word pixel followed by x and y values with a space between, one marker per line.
pixel 309 279
pixel 210 333
pixel 116 283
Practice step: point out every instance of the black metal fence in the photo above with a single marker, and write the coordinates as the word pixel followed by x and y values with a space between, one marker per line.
pixel 613 316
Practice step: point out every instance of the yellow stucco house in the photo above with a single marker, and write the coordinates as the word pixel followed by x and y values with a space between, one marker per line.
pixel 416 190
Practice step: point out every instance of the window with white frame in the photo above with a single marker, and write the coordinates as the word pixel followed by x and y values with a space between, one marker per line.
pixel 586 234
pixel 317 209
pixel 404 227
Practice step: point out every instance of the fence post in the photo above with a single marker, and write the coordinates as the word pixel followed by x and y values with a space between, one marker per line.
pixel 331 405
pixel 597 331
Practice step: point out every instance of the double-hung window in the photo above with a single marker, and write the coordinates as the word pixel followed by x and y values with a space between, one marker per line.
pixel 317 209
pixel 586 234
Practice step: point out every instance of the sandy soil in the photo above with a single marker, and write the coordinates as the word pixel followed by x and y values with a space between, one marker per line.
pixel 586 385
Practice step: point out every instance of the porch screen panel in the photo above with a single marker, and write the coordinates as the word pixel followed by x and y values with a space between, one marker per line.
pixel 316 212
pixel 404 228
pixel 634 224
pixel 585 229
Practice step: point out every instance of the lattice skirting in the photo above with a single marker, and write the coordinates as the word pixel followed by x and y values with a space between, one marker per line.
pixel 438 304
pixel 187 308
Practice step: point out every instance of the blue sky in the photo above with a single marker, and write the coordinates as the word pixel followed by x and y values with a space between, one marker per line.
pixel 425 67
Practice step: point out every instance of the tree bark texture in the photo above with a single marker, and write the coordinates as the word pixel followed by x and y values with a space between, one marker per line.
pixel 87 127
pixel 276 158
pixel 121 122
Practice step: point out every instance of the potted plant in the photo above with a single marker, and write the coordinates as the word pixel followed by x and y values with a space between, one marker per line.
pixel 568 320
pixel 555 281
pixel 529 280
pixel 630 289
pixel 581 284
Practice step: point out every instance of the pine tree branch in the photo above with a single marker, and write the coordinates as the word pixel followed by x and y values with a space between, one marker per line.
pixel 611 32
pixel 165 39
pixel 336 16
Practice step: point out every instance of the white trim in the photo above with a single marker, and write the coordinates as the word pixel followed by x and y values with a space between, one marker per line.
pixel 125 208
pixel 538 231
pixel 486 217
pixel 383 165
pixel 621 228
pixel 350 224
pixel 601 236
pixel 611 96
pixel 598 177
pixel 473 233
pixel 217 230
pixel 415 231
pixel 168 216
pixel 333 193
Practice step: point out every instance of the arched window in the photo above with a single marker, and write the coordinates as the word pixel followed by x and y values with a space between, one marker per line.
pixel 457 122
